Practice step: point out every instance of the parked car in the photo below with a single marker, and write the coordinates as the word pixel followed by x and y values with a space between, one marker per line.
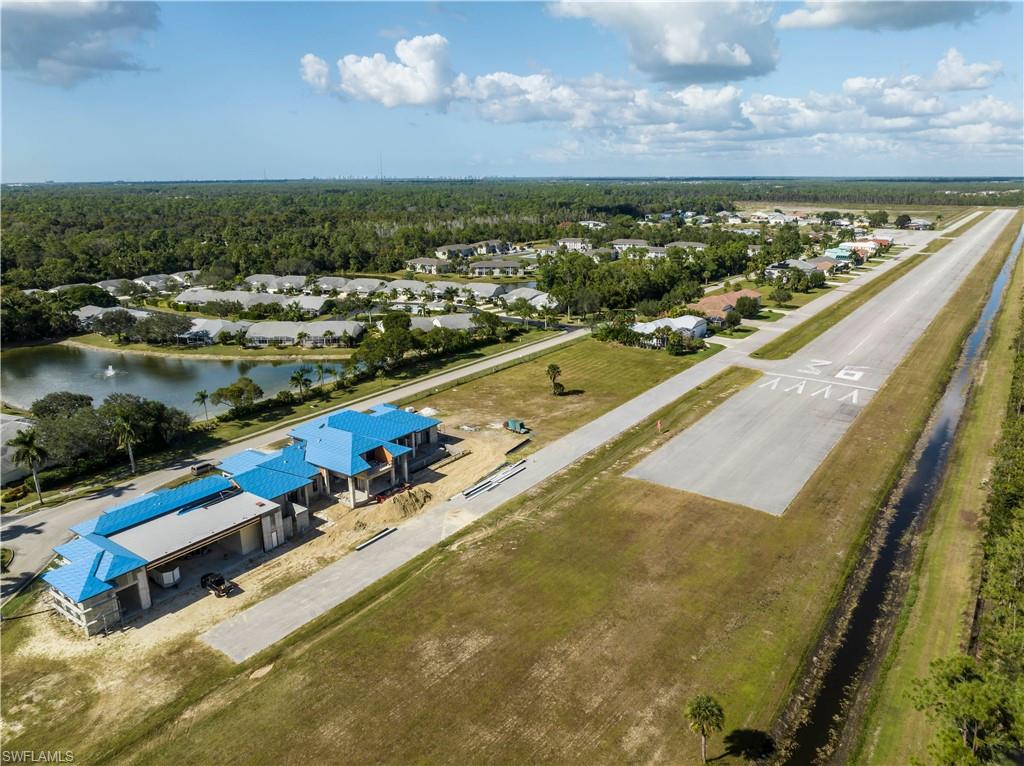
pixel 217 584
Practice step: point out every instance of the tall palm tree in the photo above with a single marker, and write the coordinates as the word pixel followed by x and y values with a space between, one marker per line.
pixel 202 397
pixel 705 717
pixel 328 337
pixel 124 433
pixel 321 371
pixel 30 454
pixel 300 380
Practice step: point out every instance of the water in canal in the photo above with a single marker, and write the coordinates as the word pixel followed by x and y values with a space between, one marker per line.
pixel 916 497
pixel 31 372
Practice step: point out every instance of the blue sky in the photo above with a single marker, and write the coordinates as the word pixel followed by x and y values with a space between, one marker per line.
pixel 109 91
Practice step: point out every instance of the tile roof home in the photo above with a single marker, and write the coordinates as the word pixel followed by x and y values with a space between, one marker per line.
pixel 717 306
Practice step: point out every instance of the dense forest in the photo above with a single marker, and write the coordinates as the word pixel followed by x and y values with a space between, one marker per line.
pixel 64 233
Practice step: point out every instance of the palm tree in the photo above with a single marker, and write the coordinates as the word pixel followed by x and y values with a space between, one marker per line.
pixel 300 380
pixel 321 371
pixel 202 397
pixel 328 337
pixel 124 433
pixel 30 454
pixel 302 337
pixel 553 372
pixel 705 717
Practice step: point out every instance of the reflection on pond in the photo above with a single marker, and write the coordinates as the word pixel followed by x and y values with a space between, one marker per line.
pixel 29 373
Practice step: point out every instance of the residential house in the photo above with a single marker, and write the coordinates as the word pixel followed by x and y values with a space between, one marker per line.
pixel 575 244
pixel 261 281
pixel 86 314
pixel 715 307
pixel 536 298
pixel 206 331
pixel 622 245
pixel 365 286
pixel 684 245
pixel 115 286
pixel 407 287
pixel 695 327
pixel 490 247
pixel 186 277
pixel 445 252
pixel 485 291
pixel 155 282
pixel 332 284
pixel 496 269
pixel 103 574
pixel 594 225
pixel 428 265
pixel 326 333
pixel 364 454
pixel 292 282
pixel 828 266
pixel 844 255
pixel 783 268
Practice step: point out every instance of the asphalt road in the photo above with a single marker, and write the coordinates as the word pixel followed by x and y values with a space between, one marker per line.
pixel 33 535
pixel 759 448
pixel 263 624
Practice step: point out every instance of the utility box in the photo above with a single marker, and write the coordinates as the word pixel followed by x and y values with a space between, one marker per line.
pixel 516 426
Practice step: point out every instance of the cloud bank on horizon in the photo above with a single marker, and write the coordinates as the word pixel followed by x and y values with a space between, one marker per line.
pixel 693 53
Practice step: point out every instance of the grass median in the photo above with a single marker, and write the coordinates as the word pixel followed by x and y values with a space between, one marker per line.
pixel 936 617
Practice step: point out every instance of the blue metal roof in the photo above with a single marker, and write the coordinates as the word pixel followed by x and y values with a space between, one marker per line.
pixel 244 460
pixel 94 561
pixel 386 423
pixel 339 451
pixel 151 505
pixel 269 484
pixel 292 459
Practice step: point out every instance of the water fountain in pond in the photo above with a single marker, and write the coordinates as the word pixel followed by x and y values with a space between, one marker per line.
pixel 109 372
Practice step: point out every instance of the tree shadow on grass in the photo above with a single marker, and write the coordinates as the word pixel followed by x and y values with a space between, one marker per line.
pixel 751 745
pixel 572 392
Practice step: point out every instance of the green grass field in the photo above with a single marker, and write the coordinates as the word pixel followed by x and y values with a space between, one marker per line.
pixel 593 376
pixel 936 618
pixel 231 351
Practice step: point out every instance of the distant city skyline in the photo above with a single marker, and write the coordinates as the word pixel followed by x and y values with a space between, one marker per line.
pixel 243 91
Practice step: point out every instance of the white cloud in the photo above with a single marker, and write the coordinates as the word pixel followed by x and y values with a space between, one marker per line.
pixel 922 114
pixel 65 43
pixel 688 42
pixel 954 73
pixel 421 75
pixel 885 14
pixel 313 70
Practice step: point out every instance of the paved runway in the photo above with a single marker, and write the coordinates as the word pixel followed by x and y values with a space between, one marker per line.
pixel 760 447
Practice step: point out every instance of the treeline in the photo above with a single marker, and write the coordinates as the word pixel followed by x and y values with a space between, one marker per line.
pixel 977 700
pixel 38 316
pixel 63 234
pixel 872 192
pixel 583 287
pixel 76 438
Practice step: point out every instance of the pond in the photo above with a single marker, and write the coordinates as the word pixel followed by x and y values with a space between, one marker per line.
pixel 31 372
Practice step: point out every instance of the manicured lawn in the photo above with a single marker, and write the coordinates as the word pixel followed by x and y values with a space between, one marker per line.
pixel 798 299
pixel 597 377
pixel 790 342
pixel 217 349
pixel 767 315
pixel 742 331
pixel 936 619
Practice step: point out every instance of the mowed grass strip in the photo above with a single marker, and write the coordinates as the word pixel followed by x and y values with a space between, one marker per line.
pixel 597 377
pixel 571 625
pixel 936 617
pixel 971 223
pixel 792 341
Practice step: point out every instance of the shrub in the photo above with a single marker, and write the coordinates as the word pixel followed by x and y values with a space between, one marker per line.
pixel 15 493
